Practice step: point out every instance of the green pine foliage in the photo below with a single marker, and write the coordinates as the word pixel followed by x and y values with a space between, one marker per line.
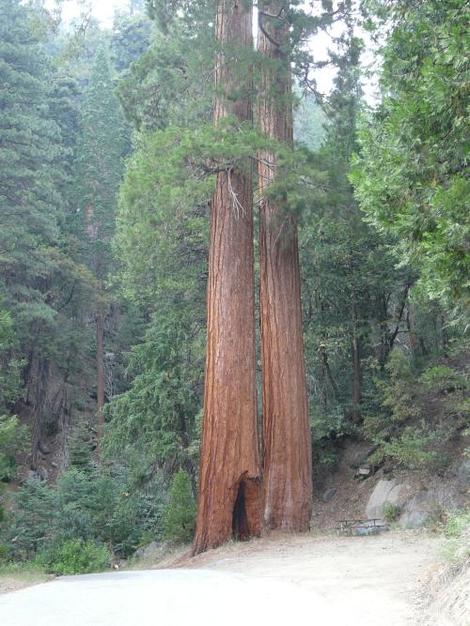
pixel 180 513
pixel 352 291
pixel 100 154
pixel 75 557
pixel 43 285
pixel 130 39
pixel 30 204
pixel 81 445
pixel 411 176
pixel 9 367
pixel 12 440
pixel 424 410
pixel 176 62
pixel 98 507
pixel 156 421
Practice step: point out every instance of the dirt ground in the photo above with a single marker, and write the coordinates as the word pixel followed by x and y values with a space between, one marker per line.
pixel 15 582
pixel 9 583
pixel 377 579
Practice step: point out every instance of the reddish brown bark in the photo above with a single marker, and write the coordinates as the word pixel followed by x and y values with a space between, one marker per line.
pixel 229 501
pixel 287 447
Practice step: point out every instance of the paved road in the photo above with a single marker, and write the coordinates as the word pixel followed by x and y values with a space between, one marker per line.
pixel 166 598
pixel 284 580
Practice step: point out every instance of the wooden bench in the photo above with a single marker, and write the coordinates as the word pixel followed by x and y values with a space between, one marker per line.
pixel 370 526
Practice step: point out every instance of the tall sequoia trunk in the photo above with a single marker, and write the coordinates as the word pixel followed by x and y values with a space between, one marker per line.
pixel 287 447
pixel 229 480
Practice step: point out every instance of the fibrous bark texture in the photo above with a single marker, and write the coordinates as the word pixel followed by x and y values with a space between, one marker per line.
pixel 229 501
pixel 287 462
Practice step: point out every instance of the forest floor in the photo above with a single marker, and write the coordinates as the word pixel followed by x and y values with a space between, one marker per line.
pixel 374 580
pixel 13 578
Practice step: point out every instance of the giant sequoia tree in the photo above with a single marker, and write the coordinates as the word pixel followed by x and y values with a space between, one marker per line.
pixel 287 446
pixel 229 481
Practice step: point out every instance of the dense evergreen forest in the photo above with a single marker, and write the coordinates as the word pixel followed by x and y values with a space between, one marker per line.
pixel 175 156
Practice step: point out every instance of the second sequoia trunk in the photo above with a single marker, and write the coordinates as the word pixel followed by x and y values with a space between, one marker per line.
pixel 229 481
pixel 287 446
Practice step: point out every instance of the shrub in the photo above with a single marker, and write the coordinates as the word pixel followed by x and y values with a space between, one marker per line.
pixel 3 554
pixel 391 512
pixel 179 515
pixel 415 448
pixel 420 414
pixel 12 438
pixel 92 505
pixel 99 506
pixel 75 557
pixel 443 379
pixel 31 523
pixel 328 430
pixel 457 532
pixel 458 524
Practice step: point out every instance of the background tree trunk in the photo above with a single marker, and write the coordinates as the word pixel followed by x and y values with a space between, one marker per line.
pixel 287 445
pixel 356 397
pixel 100 394
pixel 229 479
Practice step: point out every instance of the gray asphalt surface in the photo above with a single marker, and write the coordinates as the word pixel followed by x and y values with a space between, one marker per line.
pixel 166 598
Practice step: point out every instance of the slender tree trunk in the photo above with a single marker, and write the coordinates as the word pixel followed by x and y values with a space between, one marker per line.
pixel 99 372
pixel 356 380
pixel 327 371
pixel 91 230
pixel 411 329
pixel 36 379
pixel 287 445
pixel 356 365
pixel 229 502
pixel 444 334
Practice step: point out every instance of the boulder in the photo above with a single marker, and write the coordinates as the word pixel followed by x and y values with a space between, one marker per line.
pixel 448 495
pixel 378 498
pixel 153 550
pixel 420 510
pixel 400 494
pixel 328 495
pixel 388 492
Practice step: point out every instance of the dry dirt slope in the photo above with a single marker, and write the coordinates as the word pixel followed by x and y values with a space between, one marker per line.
pixel 374 580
